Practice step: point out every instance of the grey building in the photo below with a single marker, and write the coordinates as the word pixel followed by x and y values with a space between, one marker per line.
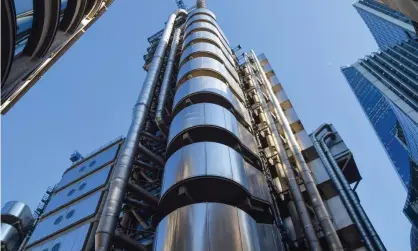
pixel 215 158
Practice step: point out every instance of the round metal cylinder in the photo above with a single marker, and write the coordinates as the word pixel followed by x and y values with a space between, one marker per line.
pixel 203 49
pixel 209 90
pixel 205 26
pixel 201 11
pixel 204 66
pixel 207 226
pixel 210 122
pixel 18 214
pixel 9 237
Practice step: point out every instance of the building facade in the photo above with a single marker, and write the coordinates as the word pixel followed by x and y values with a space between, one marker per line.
pixel 386 86
pixel 215 158
pixel 408 8
pixel 387 26
pixel 35 35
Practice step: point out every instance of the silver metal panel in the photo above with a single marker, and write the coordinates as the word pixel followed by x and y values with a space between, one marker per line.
pixel 72 240
pixel 193 236
pixel 60 220
pixel 209 37
pixel 206 18
pixel 207 227
pixel 197 115
pixel 218 161
pixel 201 10
pixel 78 189
pixel 165 234
pixel 269 238
pixel 291 115
pixel 213 85
pixel 204 63
pixel 16 212
pixel 206 26
pixel 318 171
pixel 188 162
pixel 204 159
pixel 247 227
pixel 257 183
pixel 239 174
pixel 303 139
pixel 339 214
pixel 223 231
pixel 9 237
pixel 88 166
pixel 215 115
pixel 210 49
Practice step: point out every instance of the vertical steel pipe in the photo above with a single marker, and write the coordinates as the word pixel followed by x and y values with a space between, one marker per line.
pixel 354 208
pixel 342 193
pixel 294 188
pixel 200 4
pixel 321 212
pixel 120 176
pixel 159 115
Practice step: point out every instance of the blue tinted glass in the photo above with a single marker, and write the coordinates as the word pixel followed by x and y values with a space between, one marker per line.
pixel 384 117
pixel 384 32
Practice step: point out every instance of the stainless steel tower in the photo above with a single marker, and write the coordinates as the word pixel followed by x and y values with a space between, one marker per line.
pixel 34 35
pixel 215 159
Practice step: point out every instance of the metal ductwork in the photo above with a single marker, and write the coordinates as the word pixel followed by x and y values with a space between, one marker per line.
pixel 348 196
pixel 152 156
pixel 128 243
pixel 321 212
pixel 159 115
pixel 120 177
pixel 200 4
pixel 16 221
pixel 143 194
pixel 295 192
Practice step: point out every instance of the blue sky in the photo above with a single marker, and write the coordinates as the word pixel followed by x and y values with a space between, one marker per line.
pixel 86 98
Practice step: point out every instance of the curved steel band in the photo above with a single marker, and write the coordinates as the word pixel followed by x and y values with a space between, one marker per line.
pixel 204 226
pixel 204 66
pixel 206 49
pixel 208 37
pixel 211 159
pixel 201 26
pixel 205 18
pixel 218 124
pixel 211 90
pixel 202 11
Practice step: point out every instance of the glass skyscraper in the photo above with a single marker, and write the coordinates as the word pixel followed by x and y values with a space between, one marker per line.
pixel 386 86
pixel 386 25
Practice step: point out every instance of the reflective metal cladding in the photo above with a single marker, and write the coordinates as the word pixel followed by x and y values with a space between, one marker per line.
pixel 34 36
pixel 205 66
pixel 207 226
pixel 211 172
pixel 218 124
pixel 209 90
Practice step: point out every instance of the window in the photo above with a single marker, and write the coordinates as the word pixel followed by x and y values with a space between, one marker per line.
pixel 82 186
pixel 71 192
pixel 56 247
pixel 82 169
pixel 92 163
pixel 69 215
pixel 58 220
